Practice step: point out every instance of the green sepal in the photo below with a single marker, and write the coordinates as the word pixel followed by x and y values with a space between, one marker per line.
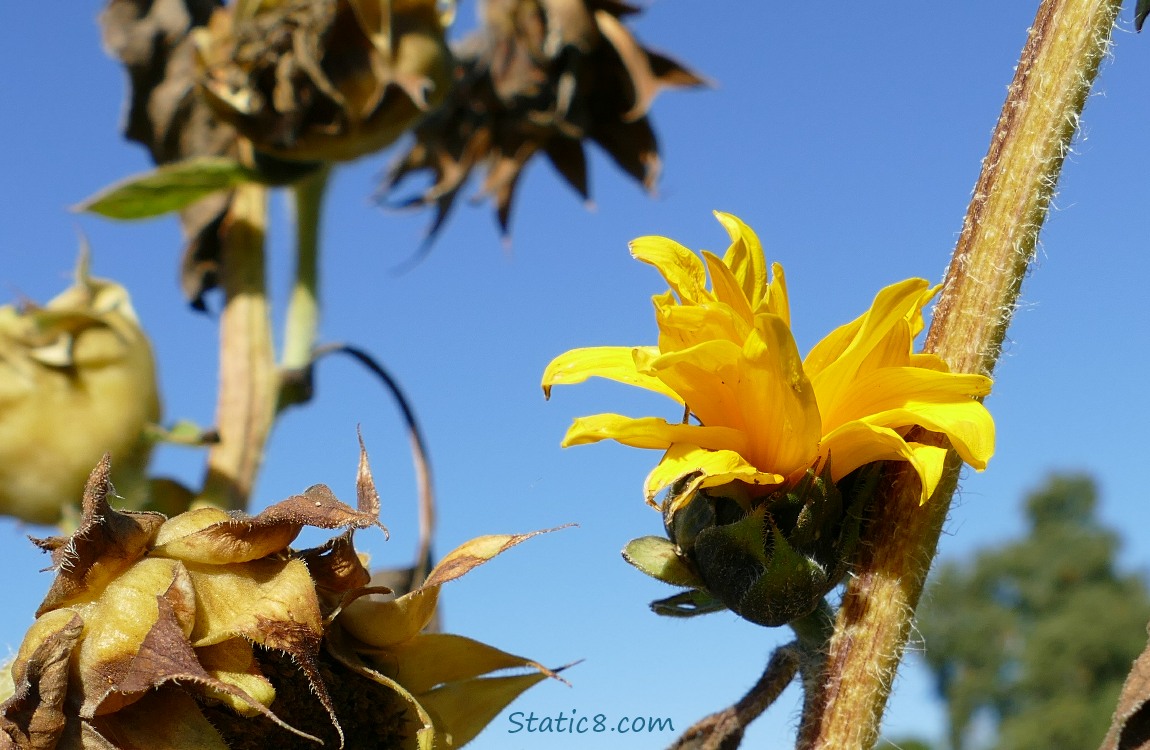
pixel 169 188
pixel 658 558
pixel 791 587
pixel 687 604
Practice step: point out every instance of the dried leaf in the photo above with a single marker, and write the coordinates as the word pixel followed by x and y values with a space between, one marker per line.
pixel 107 543
pixel 34 716
pixel 473 553
pixel 211 536
pixel 336 566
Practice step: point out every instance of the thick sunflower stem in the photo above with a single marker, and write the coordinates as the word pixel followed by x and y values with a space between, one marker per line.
pixel 301 325
pixel 1058 65
pixel 248 382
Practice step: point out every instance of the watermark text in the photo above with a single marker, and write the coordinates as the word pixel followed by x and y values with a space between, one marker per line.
pixel 576 723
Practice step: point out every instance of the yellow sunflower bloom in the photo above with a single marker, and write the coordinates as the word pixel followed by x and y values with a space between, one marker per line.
pixel 762 414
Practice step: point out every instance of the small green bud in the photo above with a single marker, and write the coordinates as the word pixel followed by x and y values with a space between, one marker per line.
pixel 770 559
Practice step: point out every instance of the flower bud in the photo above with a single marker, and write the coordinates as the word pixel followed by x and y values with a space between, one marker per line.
pixel 323 80
pixel 77 380
pixel 770 559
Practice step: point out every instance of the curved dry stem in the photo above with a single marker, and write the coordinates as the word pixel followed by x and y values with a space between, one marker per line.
pixel 724 729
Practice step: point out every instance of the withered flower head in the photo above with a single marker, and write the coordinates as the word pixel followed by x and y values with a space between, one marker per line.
pixel 207 631
pixel 323 80
pixel 77 380
pixel 166 115
pixel 541 76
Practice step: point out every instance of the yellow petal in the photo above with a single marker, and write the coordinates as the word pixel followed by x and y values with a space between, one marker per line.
pixel 711 467
pixel 938 401
pixel 726 287
pixel 782 422
pixel 708 377
pixel 681 267
pixel 745 259
pixel 856 444
pixel 611 362
pixel 835 359
pixel 684 326
pixel 650 432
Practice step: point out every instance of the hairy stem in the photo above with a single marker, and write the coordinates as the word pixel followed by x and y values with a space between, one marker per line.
pixel 301 326
pixel 246 406
pixel 1054 75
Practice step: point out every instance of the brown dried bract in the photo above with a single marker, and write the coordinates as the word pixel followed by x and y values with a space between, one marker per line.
pixel 541 76
pixel 206 631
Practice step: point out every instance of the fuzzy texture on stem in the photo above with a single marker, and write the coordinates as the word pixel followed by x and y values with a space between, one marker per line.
pixel 301 326
pixel 248 381
pixel 1058 65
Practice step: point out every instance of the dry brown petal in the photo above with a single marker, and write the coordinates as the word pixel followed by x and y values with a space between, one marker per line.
pixel 324 81
pixel 211 536
pixel 367 498
pixel 118 626
pixel 541 75
pixel 34 716
pixel 107 543
pixel 473 553
pixel 336 566
pixel 382 623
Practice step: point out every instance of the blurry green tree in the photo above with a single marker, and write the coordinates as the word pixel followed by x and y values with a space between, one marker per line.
pixel 1039 632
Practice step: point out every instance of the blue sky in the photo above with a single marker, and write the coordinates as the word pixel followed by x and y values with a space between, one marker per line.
pixel 849 141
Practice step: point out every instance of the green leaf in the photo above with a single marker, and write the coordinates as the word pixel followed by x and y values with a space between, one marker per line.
pixel 687 604
pixel 656 556
pixel 168 188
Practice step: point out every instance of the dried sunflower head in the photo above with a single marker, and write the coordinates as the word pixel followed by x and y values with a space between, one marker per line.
pixel 77 380
pixel 206 630
pixel 152 38
pixel 541 76
pixel 323 80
